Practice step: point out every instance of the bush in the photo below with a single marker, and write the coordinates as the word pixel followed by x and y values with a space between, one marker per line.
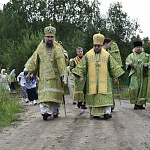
pixel 9 106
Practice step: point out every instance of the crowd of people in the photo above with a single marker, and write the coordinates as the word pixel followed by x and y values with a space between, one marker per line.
pixel 90 76
pixel 28 86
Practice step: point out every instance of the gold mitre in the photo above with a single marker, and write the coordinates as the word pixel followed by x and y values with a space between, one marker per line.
pixel 98 39
pixel 50 31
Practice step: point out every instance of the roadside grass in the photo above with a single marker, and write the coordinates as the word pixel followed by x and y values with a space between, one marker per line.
pixel 9 107
pixel 122 93
pixel 125 94
pixel 121 90
pixel 66 90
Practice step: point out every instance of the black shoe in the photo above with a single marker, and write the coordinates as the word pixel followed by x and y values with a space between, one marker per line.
pixel 79 104
pixel 141 107
pixel 96 117
pixel 107 116
pixel 45 116
pixel 55 116
pixel 83 107
pixel 74 103
pixel 136 107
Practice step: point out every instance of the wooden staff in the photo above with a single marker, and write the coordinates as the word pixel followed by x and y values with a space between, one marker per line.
pixel 64 105
pixel 119 92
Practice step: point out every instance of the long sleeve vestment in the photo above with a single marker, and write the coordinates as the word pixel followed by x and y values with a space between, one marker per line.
pixel 50 65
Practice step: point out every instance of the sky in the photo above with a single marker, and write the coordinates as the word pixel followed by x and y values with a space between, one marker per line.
pixel 135 9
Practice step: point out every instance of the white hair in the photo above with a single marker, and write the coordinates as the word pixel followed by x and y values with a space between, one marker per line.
pixel 134 50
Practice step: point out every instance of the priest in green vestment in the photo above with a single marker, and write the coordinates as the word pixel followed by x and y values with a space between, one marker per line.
pixel 48 61
pixel 99 68
pixel 112 48
pixel 137 64
pixel 79 96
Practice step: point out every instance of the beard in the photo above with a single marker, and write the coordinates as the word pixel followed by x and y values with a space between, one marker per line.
pixel 49 44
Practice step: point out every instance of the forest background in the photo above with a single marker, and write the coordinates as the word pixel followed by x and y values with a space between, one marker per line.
pixel 23 22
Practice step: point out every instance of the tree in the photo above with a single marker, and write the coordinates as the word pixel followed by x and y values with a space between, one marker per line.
pixel 119 25
pixel 146 45
pixel 70 17
pixel 75 20
pixel 121 28
pixel 17 54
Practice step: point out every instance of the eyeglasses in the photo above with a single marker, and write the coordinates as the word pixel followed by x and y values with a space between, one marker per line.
pixel 97 45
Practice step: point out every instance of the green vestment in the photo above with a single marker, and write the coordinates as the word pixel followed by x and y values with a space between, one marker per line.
pixel 98 100
pixel 138 77
pixel 78 87
pixel 115 53
pixel 50 65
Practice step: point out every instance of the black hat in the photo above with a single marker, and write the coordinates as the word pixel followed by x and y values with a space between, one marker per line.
pixel 137 43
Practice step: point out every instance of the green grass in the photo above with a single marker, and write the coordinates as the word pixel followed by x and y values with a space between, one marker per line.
pixel 124 93
pixel 9 107
pixel 66 90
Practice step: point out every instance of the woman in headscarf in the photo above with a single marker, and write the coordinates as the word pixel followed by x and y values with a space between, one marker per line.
pixel 12 79
pixel 4 79
pixel 21 79
pixel 31 84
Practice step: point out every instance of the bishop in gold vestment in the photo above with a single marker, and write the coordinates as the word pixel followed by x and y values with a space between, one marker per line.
pixel 49 62
pixel 98 67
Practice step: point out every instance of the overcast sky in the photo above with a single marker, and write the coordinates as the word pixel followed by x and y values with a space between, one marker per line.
pixel 134 8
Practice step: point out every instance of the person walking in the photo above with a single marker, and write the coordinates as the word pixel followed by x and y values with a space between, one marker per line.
pixel 21 79
pixel 12 80
pixel 112 48
pixel 137 64
pixel 99 68
pixel 79 96
pixel 4 80
pixel 31 85
pixel 48 61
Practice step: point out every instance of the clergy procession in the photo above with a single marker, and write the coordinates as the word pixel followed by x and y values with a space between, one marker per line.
pixel 90 77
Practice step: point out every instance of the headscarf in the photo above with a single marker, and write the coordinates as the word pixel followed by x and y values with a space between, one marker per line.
pixel 13 73
pixel 25 71
pixel 2 71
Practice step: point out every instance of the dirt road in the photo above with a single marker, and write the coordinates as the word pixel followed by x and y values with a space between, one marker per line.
pixel 128 129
